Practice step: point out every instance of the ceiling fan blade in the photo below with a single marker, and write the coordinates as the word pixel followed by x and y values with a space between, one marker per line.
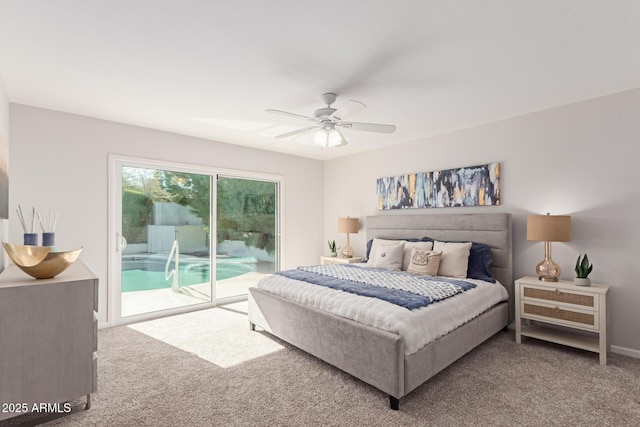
pixel 368 127
pixel 349 108
pixel 296 132
pixel 288 114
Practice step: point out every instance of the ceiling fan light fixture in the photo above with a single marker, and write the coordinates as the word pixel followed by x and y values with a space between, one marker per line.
pixel 328 137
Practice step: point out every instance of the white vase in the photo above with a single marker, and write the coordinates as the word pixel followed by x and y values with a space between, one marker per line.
pixel 334 254
pixel 582 281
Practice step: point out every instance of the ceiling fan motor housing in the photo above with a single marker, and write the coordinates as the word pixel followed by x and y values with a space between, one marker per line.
pixel 327 98
pixel 323 112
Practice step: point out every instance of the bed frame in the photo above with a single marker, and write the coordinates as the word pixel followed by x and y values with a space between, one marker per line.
pixel 376 356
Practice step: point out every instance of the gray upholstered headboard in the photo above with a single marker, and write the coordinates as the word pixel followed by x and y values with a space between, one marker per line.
pixel 492 229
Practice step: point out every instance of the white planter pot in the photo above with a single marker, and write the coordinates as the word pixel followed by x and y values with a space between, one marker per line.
pixel 582 281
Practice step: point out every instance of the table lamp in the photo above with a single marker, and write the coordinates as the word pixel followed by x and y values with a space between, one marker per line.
pixel 347 225
pixel 548 228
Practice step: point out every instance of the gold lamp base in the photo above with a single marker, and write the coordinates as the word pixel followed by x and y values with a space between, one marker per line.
pixel 347 225
pixel 347 252
pixel 547 270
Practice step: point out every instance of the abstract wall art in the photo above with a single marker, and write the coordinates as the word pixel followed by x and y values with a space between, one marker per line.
pixel 467 186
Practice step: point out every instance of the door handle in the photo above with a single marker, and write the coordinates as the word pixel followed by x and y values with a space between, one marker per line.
pixel 121 243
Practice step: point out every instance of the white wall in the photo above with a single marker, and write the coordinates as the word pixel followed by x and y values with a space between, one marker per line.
pixel 579 160
pixel 4 133
pixel 59 161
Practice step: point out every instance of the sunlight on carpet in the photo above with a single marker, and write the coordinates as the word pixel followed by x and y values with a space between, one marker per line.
pixel 219 335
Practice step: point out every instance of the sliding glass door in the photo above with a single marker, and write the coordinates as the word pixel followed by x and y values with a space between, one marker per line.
pixel 187 238
pixel 247 233
pixel 165 252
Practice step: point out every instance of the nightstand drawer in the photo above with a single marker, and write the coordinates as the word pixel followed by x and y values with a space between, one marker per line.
pixel 561 297
pixel 560 315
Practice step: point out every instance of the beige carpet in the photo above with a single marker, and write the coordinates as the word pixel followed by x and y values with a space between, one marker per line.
pixel 213 371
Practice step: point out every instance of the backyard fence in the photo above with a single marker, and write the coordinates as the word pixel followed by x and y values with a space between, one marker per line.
pixel 191 238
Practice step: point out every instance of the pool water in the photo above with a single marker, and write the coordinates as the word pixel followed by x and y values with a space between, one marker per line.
pixel 190 274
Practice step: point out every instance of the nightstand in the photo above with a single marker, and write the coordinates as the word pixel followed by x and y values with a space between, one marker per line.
pixel 339 260
pixel 579 311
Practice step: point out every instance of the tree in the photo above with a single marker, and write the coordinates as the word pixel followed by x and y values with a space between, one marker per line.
pixel 143 181
pixel 246 209
pixel 136 214
pixel 188 189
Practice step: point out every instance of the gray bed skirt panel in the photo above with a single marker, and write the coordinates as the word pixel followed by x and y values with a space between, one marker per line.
pixel 369 354
pixel 439 354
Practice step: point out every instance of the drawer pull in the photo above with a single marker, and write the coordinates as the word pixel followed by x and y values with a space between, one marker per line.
pixel 557 291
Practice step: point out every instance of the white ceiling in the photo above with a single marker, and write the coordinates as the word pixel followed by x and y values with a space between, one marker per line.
pixel 210 68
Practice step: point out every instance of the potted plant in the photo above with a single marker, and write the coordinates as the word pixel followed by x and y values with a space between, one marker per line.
pixel 332 248
pixel 583 268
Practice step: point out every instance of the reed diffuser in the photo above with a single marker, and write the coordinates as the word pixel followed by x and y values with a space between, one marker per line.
pixel 29 228
pixel 48 223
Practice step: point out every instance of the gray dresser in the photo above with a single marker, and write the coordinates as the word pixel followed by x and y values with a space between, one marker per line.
pixel 48 340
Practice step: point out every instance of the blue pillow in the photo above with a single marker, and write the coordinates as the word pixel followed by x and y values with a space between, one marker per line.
pixel 480 261
pixel 368 250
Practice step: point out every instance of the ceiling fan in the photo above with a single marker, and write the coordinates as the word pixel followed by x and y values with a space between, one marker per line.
pixel 328 119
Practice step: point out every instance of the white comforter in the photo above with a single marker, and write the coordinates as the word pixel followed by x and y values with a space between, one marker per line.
pixel 418 327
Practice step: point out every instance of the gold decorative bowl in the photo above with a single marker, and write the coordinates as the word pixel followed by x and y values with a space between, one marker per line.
pixel 39 261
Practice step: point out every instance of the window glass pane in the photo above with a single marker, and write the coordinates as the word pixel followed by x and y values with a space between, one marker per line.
pixel 247 233
pixel 166 224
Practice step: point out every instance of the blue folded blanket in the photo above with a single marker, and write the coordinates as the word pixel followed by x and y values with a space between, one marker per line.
pixel 400 288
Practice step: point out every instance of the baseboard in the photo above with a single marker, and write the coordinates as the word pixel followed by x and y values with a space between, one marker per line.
pixel 625 351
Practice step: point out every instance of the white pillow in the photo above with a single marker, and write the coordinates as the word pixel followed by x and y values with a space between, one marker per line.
pixel 389 257
pixel 455 258
pixel 374 248
pixel 408 247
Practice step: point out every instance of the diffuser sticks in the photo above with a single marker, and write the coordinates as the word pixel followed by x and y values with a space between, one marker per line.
pixel 47 221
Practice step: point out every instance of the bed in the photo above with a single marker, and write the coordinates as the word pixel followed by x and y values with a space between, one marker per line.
pixel 377 356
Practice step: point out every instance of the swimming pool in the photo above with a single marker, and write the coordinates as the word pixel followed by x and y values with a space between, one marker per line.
pixel 140 273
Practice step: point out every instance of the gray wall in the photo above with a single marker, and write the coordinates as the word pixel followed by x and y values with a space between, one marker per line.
pixel 60 161
pixel 4 132
pixel 578 159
